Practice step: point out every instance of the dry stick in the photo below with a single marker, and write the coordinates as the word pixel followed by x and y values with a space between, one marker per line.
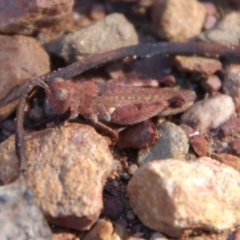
pixel 19 136
pixel 136 51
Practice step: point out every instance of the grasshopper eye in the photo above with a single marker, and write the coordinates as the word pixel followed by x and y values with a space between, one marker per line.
pixel 61 94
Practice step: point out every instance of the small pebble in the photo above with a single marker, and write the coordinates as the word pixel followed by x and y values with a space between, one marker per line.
pixel 230 127
pixel 139 136
pixel 235 147
pixel 8 127
pixel 115 183
pixel 158 236
pixel 211 84
pixel 172 143
pixel 197 64
pixel 36 113
pixel 98 12
pixel 237 234
pixel 125 176
pixel 132 169
pixel 225 145
pixel 199 145
pixel 103 229
pixel 230 160
pixel 209 22
pixel 138 234
pixel 130 215
pixel 210 8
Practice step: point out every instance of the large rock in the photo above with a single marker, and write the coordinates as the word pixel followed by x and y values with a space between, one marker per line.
pixel 20 216
pixel 26 17
pixel 67 168
pixel 21 58
pixel 177 20
pixel 115 31
pixel 179 198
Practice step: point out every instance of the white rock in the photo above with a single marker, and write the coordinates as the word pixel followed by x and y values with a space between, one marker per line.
pixel 209 113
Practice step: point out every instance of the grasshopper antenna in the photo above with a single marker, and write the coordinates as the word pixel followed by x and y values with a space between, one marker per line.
pixel 37 79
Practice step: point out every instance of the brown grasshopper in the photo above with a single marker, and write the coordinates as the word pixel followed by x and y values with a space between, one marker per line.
pixel 124 105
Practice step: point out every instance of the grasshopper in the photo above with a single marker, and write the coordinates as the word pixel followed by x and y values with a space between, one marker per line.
pixel 123 105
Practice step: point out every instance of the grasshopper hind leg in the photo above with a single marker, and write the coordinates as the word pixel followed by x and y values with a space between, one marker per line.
pixel 107 130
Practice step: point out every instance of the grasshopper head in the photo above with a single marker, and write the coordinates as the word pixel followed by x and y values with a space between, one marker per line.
pixel 59 95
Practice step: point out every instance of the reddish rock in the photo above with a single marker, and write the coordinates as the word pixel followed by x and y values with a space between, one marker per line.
pixel 65 236
pixel 236 235
pixel 209 22
pixel 19 54
pixel 202 65
pixel 177 20
pixel 120 232
pixel 138 136
pixel 98 12
pixel 26 17
pixel 231 127
pixel 211 83
pixel 132 169
pixel 210 8
pixel 199 145
pixel 102 230
pixel 235 147
pixel 229 160
pixel 67 169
